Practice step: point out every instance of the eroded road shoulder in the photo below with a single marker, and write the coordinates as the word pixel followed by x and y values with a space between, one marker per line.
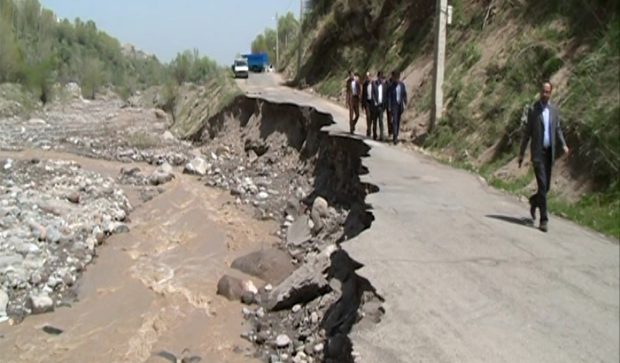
pixel 188 233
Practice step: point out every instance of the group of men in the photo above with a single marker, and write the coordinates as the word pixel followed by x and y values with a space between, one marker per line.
pixel 542 131
pixel 377 97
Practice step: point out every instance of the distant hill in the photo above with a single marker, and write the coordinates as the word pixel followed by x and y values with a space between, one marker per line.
pixel 38 49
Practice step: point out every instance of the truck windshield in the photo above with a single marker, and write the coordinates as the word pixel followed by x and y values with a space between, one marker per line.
pixel 241 63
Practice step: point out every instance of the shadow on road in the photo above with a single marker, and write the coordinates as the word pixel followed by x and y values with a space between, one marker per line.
pixel 523 221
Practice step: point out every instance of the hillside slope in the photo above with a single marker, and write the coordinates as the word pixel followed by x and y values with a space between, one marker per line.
pixel 498 51
pixel 38 49
pixel 42 56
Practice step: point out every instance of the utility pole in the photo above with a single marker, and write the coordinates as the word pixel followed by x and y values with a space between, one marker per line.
pixel 301 14
pixel 439 62
pixel 277 43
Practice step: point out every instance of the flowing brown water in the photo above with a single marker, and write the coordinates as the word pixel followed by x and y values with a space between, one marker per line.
pixel 153 288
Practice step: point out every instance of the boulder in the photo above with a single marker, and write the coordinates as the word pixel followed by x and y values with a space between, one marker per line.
pixel 234 288
pixel 270 265
pixel 305 284
pixel 198 166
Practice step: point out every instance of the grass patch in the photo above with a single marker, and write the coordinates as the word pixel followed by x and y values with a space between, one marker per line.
pixel 141 140
pixel 193 105
pixel 599 211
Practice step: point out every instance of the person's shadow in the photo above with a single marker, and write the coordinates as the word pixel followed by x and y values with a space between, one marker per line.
pixel 523 221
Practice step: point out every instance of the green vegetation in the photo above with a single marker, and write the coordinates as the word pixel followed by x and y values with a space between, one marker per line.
pixel 39 51
pixel 578 49
pixel 497 54
pixel 287 32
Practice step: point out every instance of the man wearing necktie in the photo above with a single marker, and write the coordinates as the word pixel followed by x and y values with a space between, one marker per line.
pixel 544 129
pixel 388 85
pixel 379 99
pixel 367 103
pixel 397 100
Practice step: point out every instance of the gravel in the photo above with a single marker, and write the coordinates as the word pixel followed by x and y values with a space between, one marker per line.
pixel 53 216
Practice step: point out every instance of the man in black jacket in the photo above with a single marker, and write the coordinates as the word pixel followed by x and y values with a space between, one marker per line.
pixel 367 103
pixel 544 129
pixel 379 99
pixel 397 101
pixel 388 112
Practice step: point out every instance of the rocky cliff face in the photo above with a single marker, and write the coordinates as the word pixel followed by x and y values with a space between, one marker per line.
pixel 129 50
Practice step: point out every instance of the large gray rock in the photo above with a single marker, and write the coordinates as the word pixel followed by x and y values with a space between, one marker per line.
pixel 198 166
pixel 4 301
pixel 292 207
pixel 298 232
pixel 162 174
pixel 233 288
pixel 320 207
pixel 40 303
pixel 270 265
pixel 9 260
pixel 304 285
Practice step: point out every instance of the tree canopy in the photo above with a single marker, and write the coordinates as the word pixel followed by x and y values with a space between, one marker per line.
pixel 37 49
pixel 286 33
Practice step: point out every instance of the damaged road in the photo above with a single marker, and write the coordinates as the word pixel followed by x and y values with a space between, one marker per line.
pixel 275 157
pixel 357 251
pixel 459 282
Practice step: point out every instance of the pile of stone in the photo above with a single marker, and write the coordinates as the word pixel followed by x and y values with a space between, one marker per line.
pixel 289 312
pixel 53 215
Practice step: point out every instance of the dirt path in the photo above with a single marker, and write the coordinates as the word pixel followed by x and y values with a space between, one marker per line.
pixel 151 289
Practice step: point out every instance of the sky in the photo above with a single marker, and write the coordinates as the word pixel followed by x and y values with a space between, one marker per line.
pixel 217 28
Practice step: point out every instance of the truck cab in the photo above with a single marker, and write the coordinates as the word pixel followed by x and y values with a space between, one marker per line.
pixel 240 68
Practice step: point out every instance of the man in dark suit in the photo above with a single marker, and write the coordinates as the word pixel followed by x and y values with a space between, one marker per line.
pixel 397 100
pixel 379 99
pixel 367 103
pixel 544 129
pixel 353 90
pixel 388 113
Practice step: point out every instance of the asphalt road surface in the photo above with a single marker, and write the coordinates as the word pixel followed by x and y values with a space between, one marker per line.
pixel 464 279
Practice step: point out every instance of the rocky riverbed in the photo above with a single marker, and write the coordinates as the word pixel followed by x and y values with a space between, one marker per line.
pixel 54 214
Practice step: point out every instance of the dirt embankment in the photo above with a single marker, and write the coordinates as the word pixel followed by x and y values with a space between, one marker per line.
pixel 319 202
pixel 273 161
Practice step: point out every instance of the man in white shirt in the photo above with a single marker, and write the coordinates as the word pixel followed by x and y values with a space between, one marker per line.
pixel 543 128
pixel 379 100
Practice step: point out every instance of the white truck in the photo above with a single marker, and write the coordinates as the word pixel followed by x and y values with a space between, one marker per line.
pixel 241 69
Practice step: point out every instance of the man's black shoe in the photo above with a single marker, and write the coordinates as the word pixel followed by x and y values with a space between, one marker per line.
pixel 543 227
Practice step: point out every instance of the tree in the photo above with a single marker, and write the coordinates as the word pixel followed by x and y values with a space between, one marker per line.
pixel 287 32
pixel 37 50
pixel 92 77
pixel 287 29
pixel 9 52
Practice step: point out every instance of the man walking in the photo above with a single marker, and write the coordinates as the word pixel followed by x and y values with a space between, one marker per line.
pixel 388 112
pixel 367 103
pixel 353 90
pixel 397 100
pixel 544 129
pixel 379 99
